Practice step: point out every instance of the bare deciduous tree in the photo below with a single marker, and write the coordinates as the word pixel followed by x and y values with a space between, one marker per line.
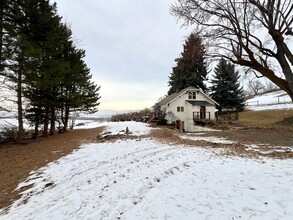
pixel 269 86
pixel 252 33
pixel 255 87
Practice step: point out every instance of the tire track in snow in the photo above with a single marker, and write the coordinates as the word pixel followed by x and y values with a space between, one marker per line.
pixel 156 170
pixel 82 166
pixel 113 178
pixel 148 180
pixel 126 172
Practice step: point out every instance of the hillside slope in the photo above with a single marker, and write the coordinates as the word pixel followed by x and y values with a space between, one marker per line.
pixel 270 101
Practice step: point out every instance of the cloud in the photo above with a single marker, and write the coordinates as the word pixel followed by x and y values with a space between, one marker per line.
pixel 115 95
pixel 130 46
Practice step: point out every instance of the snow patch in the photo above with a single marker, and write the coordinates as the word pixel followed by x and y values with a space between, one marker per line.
pixel 270 101
pixel 266 149
pixel 271 107
pixel 208 139
pixel 134 128
pixel 116 128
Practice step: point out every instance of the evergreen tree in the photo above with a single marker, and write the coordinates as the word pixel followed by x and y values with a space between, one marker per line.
pixel 225 88
pixel 22 40
pixel 61 84
pixel 13 52
pixel 45 62
pixel 78 92
pixel 190 69
pixel 39 60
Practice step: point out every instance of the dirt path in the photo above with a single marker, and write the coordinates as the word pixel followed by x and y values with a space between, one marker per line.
pixel 17 161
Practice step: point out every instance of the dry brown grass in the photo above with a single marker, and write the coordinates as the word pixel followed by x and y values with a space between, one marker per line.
pixel 264 119
pixel 17 161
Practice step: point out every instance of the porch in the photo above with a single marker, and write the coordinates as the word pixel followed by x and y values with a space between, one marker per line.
pixel 201 118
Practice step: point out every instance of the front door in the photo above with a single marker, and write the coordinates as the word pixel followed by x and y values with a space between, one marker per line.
pixel 178 124
pixel 202 112
pixel 182 126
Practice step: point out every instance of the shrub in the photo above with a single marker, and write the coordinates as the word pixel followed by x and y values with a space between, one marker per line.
pixel 8 134
pixel 162 122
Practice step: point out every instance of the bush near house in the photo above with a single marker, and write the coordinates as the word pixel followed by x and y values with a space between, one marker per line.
pixel 162 121
pixel 140 116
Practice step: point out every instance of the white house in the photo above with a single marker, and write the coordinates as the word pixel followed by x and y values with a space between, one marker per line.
pixel 187 107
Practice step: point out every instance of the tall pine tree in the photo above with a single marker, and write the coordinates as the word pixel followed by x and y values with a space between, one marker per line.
pixel 39 61
pixel 225 88
pixel 13 53
pixel 42 31
pixel 191 69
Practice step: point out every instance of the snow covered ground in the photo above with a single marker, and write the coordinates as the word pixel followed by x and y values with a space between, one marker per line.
pixel 198 137
pixel 12 122
pixel 145 179
pixel 115 128
pixel 262 148
pixel 270 101
pixel 7 119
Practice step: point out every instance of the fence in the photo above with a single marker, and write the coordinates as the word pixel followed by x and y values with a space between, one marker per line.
pixel 274 101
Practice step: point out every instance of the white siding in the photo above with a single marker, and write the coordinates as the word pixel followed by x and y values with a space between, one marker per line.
pixel 212 110
pixel 187 115
pixel 199 97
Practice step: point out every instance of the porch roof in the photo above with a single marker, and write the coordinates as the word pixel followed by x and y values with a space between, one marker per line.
pixel 200 103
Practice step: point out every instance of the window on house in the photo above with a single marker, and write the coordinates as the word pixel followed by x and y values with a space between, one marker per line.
pixel 180 109
pixel 192 95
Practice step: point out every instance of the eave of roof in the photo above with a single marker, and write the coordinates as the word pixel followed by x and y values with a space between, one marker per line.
pixel 175 95
pixel 200 103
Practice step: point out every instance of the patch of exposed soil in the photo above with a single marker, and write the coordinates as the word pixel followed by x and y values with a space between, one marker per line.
pixel 17 161
pixel 270 141
pixel 258 136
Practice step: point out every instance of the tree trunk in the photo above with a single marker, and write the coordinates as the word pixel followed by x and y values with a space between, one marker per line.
pixel 46 123
pixel 66 117
pixel 290 93
pixel 35 135
pixel 1 32
pixel 19 108
pixel 52 121
pixel 62 120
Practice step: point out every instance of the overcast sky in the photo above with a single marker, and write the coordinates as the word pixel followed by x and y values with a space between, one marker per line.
pixel 130 47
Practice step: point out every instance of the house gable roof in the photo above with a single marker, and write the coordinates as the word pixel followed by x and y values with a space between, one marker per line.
pixel 170 98
pixel 167 99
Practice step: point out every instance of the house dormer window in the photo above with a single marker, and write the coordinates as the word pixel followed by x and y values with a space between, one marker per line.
pixel 192 95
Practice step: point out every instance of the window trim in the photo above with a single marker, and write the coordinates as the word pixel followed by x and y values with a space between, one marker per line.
pixel 192 95
pixel 180 108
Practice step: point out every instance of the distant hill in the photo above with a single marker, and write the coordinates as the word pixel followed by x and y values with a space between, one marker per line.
pixel 4 113
pixel 105 113
pixel 269 101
